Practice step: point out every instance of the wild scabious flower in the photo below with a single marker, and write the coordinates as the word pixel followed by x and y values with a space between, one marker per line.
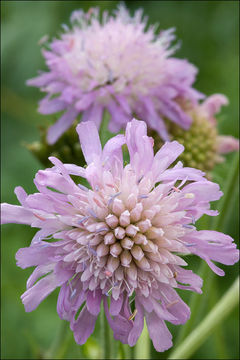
pixel 119 240
pixel 203 145
pixel 114 63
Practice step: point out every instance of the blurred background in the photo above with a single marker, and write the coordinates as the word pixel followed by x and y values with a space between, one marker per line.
pixel 208 31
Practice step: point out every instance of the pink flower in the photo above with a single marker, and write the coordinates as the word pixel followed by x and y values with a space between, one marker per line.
pixel 120 238
pixel 114 63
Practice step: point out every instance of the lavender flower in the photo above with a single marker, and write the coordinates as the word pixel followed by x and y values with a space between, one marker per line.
pixel 116 63
pixel 119 240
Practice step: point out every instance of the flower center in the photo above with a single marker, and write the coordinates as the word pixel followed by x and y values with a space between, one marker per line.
pixel 121 238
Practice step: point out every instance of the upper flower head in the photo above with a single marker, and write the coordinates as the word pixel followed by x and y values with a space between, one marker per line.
pixel 114 62
pixel 121 237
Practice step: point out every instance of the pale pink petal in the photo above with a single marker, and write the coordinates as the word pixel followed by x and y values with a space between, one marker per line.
pixel 187 277
pixel 63 123
pixel 173 111
pixel 227 144
pixel 93 113
pixel 47 106
pixel 153 119
pixel 174 304
pixel 21 195
pixel 93 301
pixel 118 117
pixel 41 253
pixel 85 101
pixel 116 305
pixel 181 174
pixel 75 170
pixel 38 292
pixel 138 323
pixel 213 245
pixel 15 214
pixel 140 146
pixel 83 327
pixel 89 140
pixel 168 153
pixel 158 332
pixel 55 181
pixel 39 272
pixel 213 104
pixel 41 80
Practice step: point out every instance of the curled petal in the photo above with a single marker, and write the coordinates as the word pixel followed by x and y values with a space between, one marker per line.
pixel 213 104
pixel 213 245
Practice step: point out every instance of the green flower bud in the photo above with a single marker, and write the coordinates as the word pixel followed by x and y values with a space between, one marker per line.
pixel 199 141
pixel 67 148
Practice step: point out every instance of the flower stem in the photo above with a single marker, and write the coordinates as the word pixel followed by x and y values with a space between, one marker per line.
pixel 58 340
pixel 221 310
pixel 142 348
pixel 226 200
pixel 105 336
pixel 220 346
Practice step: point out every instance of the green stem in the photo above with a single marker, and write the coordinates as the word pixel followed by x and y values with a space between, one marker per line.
pixel 220 346
pixel 122 354
pixel 232 180
pixel 58 340
pixel 211 321
pixel 142 348
pixel 132 352
pixel 105 336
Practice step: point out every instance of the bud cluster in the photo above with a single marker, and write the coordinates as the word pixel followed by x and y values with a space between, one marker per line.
pixel 200 142
pixel 67 148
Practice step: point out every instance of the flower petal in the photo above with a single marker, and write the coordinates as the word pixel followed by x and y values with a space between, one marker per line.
pixel 137 324
pixel 227 144
pixel 38 292
pixel 140 146
pixel 63 123
pixel 213 245
pixel 90 141
pixel 83 327
pixel 93 301
pixel 16 214
pixel 158 332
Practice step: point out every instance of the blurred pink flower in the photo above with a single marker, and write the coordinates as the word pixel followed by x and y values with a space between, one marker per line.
pixel 120 238
pixel 114 63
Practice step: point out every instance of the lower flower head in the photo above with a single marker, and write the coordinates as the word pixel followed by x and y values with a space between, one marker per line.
pixel 120 238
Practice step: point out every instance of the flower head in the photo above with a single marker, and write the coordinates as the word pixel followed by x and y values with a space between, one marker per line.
pixel 120 239
pixel 115 63
pixel 203 145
